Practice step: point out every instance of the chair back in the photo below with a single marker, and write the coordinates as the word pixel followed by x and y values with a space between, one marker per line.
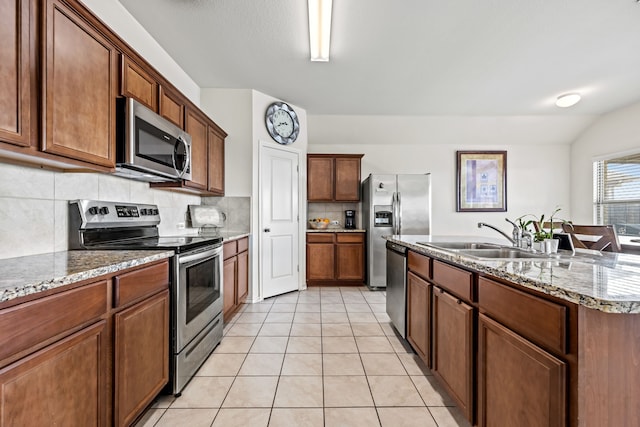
pixel 556 225
pixel 595 237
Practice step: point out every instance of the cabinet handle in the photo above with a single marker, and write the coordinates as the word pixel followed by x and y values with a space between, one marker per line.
pixel 458 302
pixel 267 230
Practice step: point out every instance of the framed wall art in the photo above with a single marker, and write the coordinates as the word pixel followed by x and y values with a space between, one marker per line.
pixel 481 181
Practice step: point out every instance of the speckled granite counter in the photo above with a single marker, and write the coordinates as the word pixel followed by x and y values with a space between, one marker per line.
pixel 228 236
pixel 603 281
pixel 336 230
pixel 37 273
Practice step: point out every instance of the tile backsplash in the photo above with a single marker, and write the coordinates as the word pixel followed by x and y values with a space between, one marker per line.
pixel 236 209
pixel 34 206
pixel 333 211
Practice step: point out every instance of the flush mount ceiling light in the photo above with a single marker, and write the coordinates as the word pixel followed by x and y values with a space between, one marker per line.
pixel 319 29
pixel 568 100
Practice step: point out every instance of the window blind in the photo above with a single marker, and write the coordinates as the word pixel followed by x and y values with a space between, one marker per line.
pixel 617 194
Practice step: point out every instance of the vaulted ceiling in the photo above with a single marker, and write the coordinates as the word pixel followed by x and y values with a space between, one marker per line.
pixel 411 57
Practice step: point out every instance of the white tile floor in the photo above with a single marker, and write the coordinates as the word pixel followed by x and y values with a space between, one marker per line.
pixel 320 357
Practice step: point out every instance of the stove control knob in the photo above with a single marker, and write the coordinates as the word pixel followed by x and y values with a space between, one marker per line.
pixel 93 210
pixel 155 211
pixel 103 210
pixel 143 211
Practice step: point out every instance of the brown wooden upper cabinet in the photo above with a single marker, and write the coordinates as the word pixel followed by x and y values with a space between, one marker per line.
pixel 80 80
pixel 216 161
pixel 171 106
pixel 196 126
pixel 136 83
pixel 333 177
pixel 17 84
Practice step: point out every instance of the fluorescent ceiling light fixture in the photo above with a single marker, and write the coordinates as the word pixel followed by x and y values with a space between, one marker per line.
pixel 320 29
pixel 568 100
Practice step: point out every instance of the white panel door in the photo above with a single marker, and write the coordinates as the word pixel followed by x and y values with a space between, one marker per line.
pixel 279 212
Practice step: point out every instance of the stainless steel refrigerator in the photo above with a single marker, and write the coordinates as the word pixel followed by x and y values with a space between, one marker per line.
pixel 392 204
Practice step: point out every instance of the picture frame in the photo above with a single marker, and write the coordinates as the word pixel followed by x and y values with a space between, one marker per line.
pixel 481 181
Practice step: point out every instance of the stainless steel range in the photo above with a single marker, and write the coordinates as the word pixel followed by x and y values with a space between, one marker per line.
pixel 196 274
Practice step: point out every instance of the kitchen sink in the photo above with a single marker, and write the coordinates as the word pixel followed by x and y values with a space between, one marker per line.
pixel 482 250
pixel 501 253
pixel 460 245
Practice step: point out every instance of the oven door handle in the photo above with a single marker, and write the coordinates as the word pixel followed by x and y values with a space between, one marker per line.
pixel 200 256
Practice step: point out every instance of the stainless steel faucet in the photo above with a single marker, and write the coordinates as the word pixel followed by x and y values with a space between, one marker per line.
pixel 517 235
pixel 483 224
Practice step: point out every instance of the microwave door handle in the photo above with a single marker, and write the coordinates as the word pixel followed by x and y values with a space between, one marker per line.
pixel 187 153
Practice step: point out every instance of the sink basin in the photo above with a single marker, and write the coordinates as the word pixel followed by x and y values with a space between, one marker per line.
pixel 501 253
pixel 460 245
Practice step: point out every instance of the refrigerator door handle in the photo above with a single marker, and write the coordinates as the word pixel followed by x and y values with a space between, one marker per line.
pixel 394 209
pixel 399 208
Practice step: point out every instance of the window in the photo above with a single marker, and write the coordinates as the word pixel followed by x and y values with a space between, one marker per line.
pixel 617 194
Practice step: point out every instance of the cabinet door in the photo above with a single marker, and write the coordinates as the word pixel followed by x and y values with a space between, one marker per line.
pixel 141 356
pixel 171 107
pixel 216 163
pixel 138 84
pixel 80 75
pixel 350 261
pixel 320 261
pixel 62 384
pixel 16 86
pixel 243 276
pixel 452 348
pixel 196 126
pixel 320 178
pixel 347 176
pixel 229 266
pixel 518 382
pixel 419 316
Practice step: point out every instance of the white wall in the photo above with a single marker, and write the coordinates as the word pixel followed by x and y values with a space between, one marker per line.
pixel 615 133
pixel 232 111
pixel 112 13
pixel 537 167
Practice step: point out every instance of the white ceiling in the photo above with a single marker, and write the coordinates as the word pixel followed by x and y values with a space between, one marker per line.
pixel 411 57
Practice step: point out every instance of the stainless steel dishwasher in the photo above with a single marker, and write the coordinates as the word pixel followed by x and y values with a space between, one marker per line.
pixel 397 286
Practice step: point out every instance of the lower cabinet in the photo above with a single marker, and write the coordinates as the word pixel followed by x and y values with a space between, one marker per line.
pixel 73 359
pixel 453 348
pixel 419 316
pixel 335 258
pixel 235 275
pixel 141 356
pixel 518 382
pixel 61 385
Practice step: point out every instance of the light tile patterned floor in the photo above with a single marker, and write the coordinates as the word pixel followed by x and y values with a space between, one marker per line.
pixel 322 357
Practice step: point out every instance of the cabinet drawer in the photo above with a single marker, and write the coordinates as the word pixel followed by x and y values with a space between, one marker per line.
pixel 34 322
pixel 456 280
pixel 541 321
pixel 349 237
pixel 320 237
pixel 146 281
pixel 229 249
pixel 243 244
pixel 419 264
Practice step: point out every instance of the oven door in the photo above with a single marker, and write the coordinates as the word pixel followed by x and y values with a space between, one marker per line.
pixel 198 292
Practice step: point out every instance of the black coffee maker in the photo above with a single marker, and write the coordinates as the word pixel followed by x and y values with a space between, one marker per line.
pixel 350 219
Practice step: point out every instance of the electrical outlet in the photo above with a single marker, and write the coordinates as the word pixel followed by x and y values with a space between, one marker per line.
pixel 180 226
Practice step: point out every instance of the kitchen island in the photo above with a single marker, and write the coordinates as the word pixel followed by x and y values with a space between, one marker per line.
pixel 545 341
pixel 84 336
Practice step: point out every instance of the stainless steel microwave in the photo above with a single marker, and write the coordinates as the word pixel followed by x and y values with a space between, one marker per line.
pixel 149 147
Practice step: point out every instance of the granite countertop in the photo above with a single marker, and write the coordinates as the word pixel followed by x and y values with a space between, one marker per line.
pixel 228 236
pixel 337 230
pixel 602 281
pixel 37 273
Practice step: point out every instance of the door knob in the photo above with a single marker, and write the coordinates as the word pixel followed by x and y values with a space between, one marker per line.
pixel 267 230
